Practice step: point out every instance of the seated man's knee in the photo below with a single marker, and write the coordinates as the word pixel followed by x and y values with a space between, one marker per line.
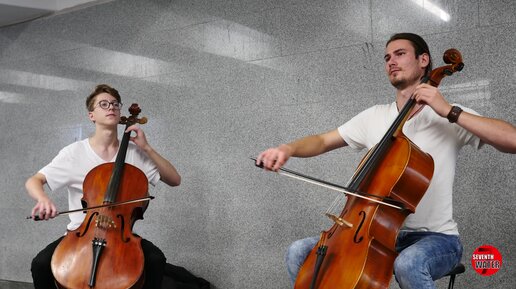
pixel 402 266
pixel 408 264
pixel 298 249
pixel 40 263
pixel 152 254
pixel 294 248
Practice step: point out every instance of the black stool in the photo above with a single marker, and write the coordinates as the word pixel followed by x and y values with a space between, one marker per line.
pixel 459 269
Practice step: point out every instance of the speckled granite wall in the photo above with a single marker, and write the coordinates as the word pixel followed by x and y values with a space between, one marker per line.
pixel 222 80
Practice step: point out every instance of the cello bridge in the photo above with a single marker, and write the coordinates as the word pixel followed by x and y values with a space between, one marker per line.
pixel 339 221
pixel 104 222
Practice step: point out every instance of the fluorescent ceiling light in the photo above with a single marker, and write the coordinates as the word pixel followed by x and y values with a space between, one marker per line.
pixel 434 9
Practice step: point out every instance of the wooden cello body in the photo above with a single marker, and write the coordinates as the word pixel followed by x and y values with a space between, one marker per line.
pixel 369 246
pixel 103 252
pixel 359 250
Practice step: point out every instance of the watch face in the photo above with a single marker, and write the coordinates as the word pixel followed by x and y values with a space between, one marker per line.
pixel 454 114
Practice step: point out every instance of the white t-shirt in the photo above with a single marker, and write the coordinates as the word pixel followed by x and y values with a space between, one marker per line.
pixel 432 134
pixel 69 168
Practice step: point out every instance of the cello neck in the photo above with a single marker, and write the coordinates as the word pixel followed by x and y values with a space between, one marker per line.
pixel 378 151
pixel 118 168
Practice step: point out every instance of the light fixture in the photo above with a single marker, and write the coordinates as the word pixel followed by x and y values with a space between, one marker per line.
pixel 434 9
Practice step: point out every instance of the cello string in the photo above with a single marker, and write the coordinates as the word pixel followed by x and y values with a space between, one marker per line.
pixel 339 199
pixel 335 204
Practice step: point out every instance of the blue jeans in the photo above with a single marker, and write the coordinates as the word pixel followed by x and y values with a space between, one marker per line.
pixel 423 257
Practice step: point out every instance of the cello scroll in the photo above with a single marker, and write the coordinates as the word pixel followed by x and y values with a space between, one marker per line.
pixel 452 57
pixel 134 109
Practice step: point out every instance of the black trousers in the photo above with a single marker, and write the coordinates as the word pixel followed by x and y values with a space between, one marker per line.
pixel 154 266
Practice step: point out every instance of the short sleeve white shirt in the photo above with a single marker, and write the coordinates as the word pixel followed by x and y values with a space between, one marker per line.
pixel 432 134
pixel 69 168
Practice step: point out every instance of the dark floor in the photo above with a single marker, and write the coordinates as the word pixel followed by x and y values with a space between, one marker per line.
pixel 6 284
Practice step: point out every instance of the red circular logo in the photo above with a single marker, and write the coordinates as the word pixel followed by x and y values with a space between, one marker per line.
pixel 486 260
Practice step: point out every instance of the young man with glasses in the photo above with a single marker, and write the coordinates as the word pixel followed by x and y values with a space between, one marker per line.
pixel 69 168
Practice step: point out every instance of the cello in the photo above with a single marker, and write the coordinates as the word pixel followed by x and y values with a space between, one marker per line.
pixel 103 252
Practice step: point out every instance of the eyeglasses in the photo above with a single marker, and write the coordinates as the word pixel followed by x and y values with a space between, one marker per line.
pixel 104 104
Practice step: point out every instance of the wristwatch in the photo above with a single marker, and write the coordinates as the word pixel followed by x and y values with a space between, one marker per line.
pixel 454 113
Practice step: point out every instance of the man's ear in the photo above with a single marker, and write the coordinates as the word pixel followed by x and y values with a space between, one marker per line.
pixel 424 60
pixel 90 116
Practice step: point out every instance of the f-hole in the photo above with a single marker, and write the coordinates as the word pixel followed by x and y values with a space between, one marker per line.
pixel 122 226
pixel 79 234
pixel 363 214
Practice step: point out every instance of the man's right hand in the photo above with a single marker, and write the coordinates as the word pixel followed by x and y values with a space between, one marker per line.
pixel 44 209
pixel 274 158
